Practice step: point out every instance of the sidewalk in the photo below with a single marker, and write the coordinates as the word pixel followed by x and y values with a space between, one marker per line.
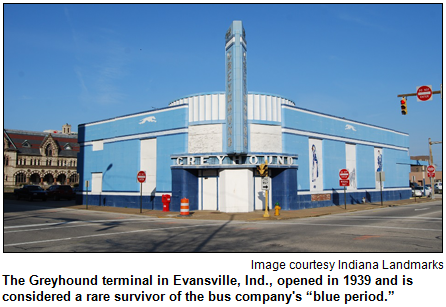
pixel 248 216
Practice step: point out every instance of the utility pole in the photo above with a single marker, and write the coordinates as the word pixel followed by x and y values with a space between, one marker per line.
pixel 431 162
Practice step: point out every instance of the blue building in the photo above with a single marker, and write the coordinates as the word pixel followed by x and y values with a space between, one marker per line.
pixel 206 147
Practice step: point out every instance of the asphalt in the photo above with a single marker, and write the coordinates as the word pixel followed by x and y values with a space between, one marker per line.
pixel 246 216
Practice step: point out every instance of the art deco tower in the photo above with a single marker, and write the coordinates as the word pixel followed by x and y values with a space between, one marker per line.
pixel 236 90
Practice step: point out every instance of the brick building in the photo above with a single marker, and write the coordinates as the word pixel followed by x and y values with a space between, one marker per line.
pixel 43 158
pixel 419 172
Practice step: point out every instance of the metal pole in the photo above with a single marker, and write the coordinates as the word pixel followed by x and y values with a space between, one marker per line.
pixel 87 198
pixel 431 162
pixel 345 199
pixel 266 214
pixel 381 184
pixel 140 198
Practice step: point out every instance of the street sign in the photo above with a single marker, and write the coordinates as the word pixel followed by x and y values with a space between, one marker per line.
pixel 380 176
pixel 344 174
pixel 141 176
pixel 424 93
pixel 431 171
pixel 344 183
pixel 265 183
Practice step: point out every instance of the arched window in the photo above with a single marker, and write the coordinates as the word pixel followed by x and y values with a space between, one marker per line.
pixel 49 151
pixel 20 178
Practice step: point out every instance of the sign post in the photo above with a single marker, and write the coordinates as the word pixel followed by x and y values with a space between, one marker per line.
pixel 86 185
pixel 141 177
pixel 263 171
pixel 344 181
pixel 381 176
pixel 431 174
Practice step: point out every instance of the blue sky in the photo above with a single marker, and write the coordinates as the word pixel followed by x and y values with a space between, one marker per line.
pixel 81 63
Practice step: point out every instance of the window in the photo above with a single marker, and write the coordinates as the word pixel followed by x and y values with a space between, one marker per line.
pixel 49 151
pixel 26 144
pixel 20 178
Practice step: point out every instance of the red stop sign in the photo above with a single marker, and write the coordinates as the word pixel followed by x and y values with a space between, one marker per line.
pixel 344 174
pixel 424 93
pixel 431 169
pixel 141 176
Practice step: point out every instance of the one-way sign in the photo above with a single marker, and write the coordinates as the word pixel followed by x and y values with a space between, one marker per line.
pixel 265 183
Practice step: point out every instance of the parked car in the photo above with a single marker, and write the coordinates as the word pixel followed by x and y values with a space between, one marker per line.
pixel 30 192
pixel 77 190
pixel 427 190
pixel 438 187
pixel 417 191
pixel 413 184
pixel 61 191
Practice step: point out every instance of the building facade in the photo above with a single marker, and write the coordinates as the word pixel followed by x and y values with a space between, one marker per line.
pixel 206 147
pixel 419 174
pixel 41 158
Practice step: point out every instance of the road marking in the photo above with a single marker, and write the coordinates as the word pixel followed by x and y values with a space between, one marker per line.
pixel 385 217
pixel 104 234
pixel 421 209
pixel 78 225
pixel 359 226
pixel 71 222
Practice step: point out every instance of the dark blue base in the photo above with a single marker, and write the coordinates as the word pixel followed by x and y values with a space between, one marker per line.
pixel 148 202
pixel 337 199
pixel 286 199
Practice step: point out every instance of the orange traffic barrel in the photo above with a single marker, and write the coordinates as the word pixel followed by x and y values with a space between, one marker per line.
pixel 184 208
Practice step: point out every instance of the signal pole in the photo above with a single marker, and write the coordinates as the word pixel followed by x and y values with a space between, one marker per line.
pixel 404 98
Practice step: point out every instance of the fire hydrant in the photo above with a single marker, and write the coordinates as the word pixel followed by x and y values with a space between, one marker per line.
pixel 277 208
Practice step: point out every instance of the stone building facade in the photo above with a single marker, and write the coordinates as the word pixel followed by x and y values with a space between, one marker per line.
pixel 41 158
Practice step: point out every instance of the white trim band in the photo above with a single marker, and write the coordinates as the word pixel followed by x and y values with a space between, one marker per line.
pixel 342 139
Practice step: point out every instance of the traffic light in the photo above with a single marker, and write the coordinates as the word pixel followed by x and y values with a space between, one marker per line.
pixel 403 106
pixel 263 169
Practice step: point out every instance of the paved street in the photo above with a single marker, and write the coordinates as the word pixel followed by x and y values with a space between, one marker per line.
pixel 413 227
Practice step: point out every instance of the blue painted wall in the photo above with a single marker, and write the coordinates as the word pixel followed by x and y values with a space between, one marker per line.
pixel 184 185
pixel 365 167
pixel 396 167
pixel 296 118
pixel 166 119
pixel 297 144
pixel 167 145
pixel 118 170
pixel 284 188
pixel 332 163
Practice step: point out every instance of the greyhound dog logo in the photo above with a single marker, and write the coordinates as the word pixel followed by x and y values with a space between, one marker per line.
pixel 150 119
pixel 349 127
